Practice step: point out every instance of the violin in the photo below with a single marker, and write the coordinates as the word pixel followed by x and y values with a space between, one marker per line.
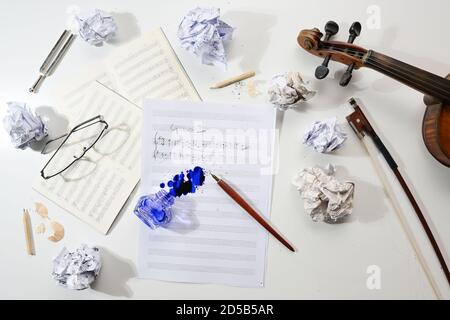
pixel 436 120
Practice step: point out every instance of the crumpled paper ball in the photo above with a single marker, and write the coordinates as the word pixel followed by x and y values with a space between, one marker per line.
pixel 23 125
pixel 287 90
pixel 325 198
pixel 202 32
pixel 96 27
pixel 78 269
pixel 325 136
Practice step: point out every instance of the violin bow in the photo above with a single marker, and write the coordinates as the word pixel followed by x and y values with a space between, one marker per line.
pixel 362 127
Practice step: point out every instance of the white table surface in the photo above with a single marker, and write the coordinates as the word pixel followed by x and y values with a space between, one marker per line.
pixel 332 260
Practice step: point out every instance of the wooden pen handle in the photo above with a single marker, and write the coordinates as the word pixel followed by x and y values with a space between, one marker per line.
pixel 236 197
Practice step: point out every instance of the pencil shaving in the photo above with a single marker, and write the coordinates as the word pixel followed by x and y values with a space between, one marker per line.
pixel 58 232
pixel 40 229
pixel 251 88
pixel 41 210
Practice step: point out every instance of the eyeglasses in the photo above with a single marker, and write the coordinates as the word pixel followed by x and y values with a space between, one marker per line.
pixel 74 147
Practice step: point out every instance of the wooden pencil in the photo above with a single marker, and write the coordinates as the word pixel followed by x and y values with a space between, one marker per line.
pixel 246 206
pixel 28 232
pixel 232 80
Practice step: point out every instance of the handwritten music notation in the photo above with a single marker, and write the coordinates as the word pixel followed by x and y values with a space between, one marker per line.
pixel 195 145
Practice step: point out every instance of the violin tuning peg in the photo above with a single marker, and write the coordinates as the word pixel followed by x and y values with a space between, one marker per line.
pixel 331 28
pixel 322 70
pixel 355 31
pixel 347 76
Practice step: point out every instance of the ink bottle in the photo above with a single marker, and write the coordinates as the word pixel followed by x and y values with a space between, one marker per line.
pixel 155 210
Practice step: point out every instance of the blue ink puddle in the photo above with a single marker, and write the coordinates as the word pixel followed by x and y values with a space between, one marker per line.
pixel 155 210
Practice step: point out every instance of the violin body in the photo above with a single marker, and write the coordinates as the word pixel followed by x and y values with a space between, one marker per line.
pixel 436 120
pixel 436 129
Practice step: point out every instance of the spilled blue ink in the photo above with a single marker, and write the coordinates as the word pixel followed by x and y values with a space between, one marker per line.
pixel 155 209
pixel 185 183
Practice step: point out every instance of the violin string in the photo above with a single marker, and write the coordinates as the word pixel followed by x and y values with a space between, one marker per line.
pixel 405 75
pixel 381 65
pixel 360 55
pixel 438 85
pixel 421 85
pixel 412 78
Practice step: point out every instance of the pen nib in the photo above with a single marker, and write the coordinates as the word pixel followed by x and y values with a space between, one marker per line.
pixel 215 177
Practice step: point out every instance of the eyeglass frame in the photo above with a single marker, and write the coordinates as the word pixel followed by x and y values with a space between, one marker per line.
pixel 67 135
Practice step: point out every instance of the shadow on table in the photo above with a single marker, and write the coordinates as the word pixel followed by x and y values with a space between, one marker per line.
pixel 368 204
pixel 56 123
pixel 114 275
pixel 127 208
pixel 252 38
pixel 127 28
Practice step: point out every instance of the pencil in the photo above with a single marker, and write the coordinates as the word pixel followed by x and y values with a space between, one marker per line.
pixel 235 79
pixel 28 232
pixel 244 204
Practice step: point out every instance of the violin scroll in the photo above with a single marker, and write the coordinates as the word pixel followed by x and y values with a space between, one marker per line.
pixel 309 39
pixel 343 52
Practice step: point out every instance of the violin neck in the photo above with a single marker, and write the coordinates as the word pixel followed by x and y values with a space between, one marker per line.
pixel 416 78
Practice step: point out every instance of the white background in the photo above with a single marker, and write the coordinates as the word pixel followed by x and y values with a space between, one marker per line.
pixel 332 260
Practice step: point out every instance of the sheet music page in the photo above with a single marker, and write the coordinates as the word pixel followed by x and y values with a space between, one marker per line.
pixel 211 239
pixel 71 93
pixel 97 189
pixel 149 68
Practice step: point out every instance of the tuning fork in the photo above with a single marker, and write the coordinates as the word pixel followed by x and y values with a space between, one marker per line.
pixel 53 59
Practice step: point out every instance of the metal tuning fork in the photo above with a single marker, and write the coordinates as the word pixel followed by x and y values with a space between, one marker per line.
pixel 54 58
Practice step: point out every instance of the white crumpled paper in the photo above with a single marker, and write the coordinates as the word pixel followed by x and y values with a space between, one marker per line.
pixel 23 125
pixel 202 32
pixel 325 136
pixel 96 27
pixel 78 269
pixel 287 90
pixel 325 198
